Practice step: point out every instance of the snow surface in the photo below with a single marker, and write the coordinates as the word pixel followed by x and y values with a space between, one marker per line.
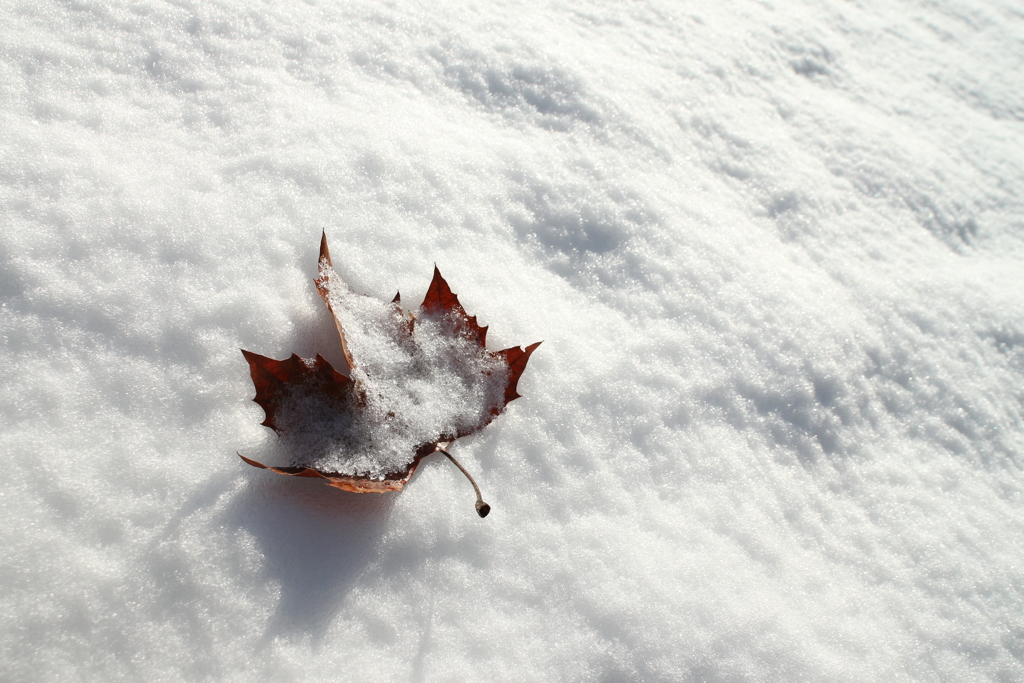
pixel 775 251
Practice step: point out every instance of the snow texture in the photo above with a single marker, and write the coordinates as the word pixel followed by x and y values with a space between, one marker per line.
pixel 417 381
pixel 776 253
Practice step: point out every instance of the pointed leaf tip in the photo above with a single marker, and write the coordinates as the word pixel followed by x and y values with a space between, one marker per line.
pixel 441 299
pixel 325 253
pixel 517 358
pixel 439 295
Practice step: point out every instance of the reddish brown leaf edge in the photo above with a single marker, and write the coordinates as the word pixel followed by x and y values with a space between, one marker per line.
pixel 392 482
pixel 270 376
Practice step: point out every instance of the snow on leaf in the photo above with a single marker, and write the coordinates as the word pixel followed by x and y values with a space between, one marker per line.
pixel 417 381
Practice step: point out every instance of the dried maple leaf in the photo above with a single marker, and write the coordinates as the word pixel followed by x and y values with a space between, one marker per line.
pixel 439 343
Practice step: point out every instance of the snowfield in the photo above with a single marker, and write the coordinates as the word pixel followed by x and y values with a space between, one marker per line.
pixel 775 252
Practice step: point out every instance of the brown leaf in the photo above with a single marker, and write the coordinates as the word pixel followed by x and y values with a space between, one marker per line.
pixel 277 382
pixel 273 378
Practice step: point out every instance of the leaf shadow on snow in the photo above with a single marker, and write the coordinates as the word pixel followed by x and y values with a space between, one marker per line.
pixel 310 544
pixel 315 541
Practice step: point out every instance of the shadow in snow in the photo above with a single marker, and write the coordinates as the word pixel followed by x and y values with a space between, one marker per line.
pixel 315 541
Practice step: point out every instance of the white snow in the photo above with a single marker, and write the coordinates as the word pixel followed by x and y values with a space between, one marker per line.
pixel 775 251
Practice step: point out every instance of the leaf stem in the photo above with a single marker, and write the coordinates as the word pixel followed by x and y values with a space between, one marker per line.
pixel 482 508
